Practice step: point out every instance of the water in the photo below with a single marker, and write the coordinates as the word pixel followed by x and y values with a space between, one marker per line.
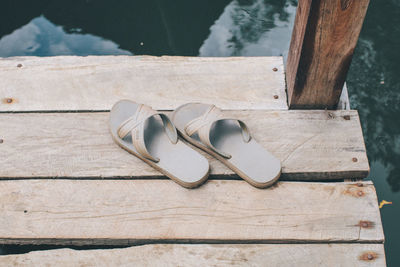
pixel 227 28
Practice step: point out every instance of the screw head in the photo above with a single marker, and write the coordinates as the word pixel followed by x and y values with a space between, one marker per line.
pixel 368 256
pixel 275 69
pixel 354 159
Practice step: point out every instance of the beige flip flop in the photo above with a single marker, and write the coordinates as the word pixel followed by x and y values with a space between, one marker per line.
pixel 229 140
pixel 152 137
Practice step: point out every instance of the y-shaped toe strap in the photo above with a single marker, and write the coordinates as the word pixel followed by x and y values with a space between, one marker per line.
pixel 202 126
pixel 136 126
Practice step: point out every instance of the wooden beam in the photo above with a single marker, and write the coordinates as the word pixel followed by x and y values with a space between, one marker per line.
pixel 70 83
pixel 209 255
pixel 118 212
pixel 323 41
pixel 312 145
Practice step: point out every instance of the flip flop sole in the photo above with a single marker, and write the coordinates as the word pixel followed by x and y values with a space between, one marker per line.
pixel 178 161
pixel 249 160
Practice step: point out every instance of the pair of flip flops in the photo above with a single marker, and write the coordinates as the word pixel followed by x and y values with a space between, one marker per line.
pixel 153 137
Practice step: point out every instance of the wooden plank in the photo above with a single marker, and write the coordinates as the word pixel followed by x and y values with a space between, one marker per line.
pixel 323 41
pixel 209 255
pixel 97 82
pixel 311 145
pixel 118 212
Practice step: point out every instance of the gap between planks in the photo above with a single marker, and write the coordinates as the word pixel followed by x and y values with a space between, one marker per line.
pixel 108 212
pixel 312 145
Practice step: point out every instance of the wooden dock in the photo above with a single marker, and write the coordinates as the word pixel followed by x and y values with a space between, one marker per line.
pixel 65 182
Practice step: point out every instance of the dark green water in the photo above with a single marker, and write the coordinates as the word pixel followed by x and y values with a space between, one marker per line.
pixel 227 28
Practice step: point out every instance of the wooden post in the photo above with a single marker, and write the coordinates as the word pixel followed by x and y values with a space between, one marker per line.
pixel 323 41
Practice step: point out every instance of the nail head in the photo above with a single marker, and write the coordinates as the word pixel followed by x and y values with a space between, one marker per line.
pixel 368 256
pixel 355 159
pixel 275 69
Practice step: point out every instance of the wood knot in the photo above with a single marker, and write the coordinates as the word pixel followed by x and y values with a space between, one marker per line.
pixel 346 117
pixel 1 141
pixel 366 224
pixel 331 115
pixel 344 4
pixel 276 96
pixel 19 65
pixel 368 256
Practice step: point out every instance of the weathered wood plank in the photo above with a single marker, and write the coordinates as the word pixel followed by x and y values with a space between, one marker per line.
pixel 209 255
pixel 323 41
pixel 97 82
pixel 310 144
pixel 118 212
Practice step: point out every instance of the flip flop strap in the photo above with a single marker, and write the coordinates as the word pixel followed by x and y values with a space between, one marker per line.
pixel 202 126
pixel 136 126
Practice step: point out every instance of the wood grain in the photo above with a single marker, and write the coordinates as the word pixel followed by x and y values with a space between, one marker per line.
pixel 311 145
pixel 209 255
pixel 118 212
pixel 323 41
pixel 97 82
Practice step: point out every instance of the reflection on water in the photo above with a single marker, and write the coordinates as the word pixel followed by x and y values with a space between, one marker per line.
pixel 40 37
pixel 154 27
pixel 227 28
pixel 251 28
pixel 374 84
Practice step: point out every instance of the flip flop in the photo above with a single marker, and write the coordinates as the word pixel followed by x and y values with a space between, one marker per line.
pixel 152 137
pixel 228 140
